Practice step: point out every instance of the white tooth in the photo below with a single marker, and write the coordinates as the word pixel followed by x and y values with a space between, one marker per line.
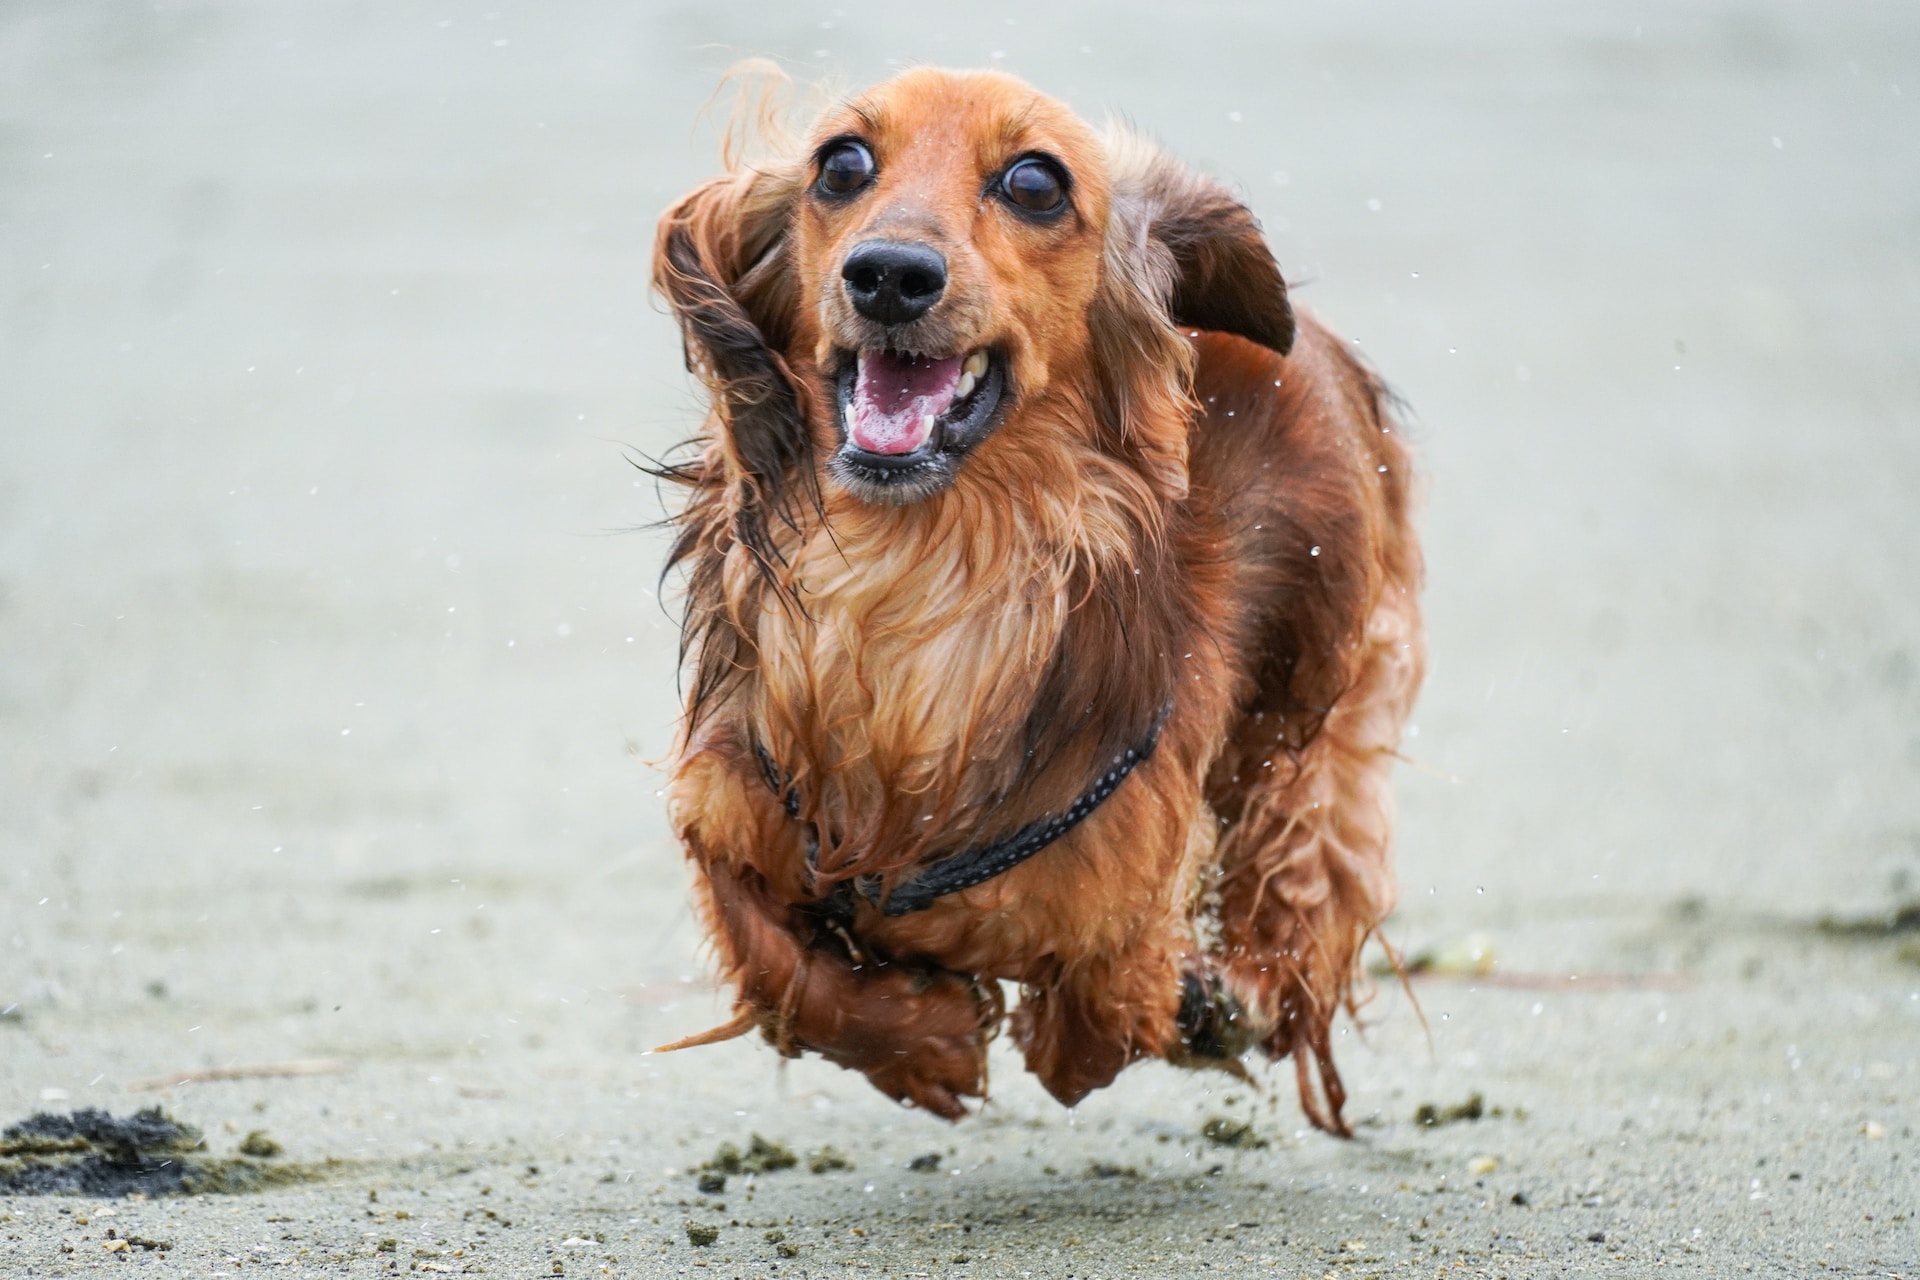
pixel 926 423
pixel 965 388
pixel 976 364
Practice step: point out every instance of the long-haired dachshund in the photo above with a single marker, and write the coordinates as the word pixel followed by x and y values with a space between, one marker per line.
pixel 1051 606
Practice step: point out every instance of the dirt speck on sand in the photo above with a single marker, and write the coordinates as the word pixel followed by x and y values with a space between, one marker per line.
pixel 1431 1115
pixel 1225 1131
pixel 258 1145
pixel 142 1242
pixel 761 1156
pixel 1903 919
pixel 94 1153
pixel 702 1234
pixel 827 1160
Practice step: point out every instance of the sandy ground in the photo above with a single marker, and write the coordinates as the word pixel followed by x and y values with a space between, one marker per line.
pixel 330 668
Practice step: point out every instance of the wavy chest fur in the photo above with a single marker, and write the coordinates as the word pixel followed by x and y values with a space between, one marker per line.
pixel 897 699
pixel 913 699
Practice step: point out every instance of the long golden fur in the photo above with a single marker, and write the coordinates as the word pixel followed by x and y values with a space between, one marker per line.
pixel 1192 499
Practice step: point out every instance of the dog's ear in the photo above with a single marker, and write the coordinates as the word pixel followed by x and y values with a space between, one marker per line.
pixel 730 234
pixel 1181 252
pixel 721 261
pixel 1213 269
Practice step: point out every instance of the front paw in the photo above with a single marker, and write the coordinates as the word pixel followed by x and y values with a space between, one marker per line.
pixel 918 1032
pixel 1213 1022
pixel 920 1035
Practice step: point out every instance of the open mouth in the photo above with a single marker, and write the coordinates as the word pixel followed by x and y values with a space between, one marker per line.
pixel 906 419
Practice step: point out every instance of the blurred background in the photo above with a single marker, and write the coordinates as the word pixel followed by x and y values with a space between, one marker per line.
pixel 332 660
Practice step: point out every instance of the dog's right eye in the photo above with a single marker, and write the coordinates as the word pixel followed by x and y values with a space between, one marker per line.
pixel 845 167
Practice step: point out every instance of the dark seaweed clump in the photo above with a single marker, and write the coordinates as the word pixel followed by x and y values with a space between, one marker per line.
pixel 761 1156
pixel 94 1153
pixel 1431 1115
pixel 1224 1132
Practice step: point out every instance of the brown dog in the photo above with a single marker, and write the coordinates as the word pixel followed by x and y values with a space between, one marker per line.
pixel 1052 606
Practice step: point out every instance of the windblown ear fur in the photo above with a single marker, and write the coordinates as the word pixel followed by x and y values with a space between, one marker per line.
pixel 721 262
pixel 1215 270
pixel 732 230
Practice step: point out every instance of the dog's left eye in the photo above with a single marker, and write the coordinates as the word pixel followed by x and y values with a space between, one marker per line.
pixel 1035 186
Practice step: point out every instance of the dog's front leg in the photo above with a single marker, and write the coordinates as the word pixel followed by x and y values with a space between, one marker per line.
pixel 919 1033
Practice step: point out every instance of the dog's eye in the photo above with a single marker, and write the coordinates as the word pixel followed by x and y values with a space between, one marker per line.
pixel 845 167
pixel 1035 186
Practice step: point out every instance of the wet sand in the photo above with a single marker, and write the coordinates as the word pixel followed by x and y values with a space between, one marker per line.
pixel 331 661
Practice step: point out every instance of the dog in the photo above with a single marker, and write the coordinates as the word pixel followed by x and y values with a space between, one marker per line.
pixel 1051 606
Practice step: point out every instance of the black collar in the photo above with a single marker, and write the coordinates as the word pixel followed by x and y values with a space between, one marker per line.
pixel 968 867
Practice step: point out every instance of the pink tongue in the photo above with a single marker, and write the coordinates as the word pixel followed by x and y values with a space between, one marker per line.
pixel 895 399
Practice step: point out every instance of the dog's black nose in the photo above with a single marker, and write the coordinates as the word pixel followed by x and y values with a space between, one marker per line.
pixel 891 283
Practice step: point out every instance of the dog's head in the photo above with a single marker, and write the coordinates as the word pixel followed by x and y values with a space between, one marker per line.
pixel 954 258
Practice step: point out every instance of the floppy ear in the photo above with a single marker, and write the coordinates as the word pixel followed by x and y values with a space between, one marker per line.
pixel 721 261
pixel 1181 253
pixel 730 232
pixel 1216 271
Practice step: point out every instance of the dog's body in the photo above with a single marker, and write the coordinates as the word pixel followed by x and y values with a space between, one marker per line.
pixel 1142 566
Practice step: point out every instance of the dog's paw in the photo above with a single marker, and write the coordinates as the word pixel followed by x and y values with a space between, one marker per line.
pixel 920 1035
pixel 1213 1022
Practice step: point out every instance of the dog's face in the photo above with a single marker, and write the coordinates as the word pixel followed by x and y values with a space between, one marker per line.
pixel 949 242
pixel 957 257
